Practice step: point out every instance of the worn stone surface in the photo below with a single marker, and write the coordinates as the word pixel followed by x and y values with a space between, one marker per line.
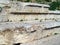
pixel 11 33
pixel 51 39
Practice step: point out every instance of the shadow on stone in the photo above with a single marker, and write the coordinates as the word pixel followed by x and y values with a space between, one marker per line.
pixel 17 44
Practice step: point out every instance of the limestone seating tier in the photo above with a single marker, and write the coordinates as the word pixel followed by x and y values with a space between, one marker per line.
pixel 17 32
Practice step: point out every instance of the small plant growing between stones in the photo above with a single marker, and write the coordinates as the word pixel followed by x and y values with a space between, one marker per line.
pixel 45 19
pixel 55 20
pixel 47 36
pixel 36 18
pixel 55 33
pixel 21 20
pixel 41 20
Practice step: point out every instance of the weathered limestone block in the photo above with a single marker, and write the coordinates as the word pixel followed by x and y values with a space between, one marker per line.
pixel 11 33
pixel 24 35
pixel 19 34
